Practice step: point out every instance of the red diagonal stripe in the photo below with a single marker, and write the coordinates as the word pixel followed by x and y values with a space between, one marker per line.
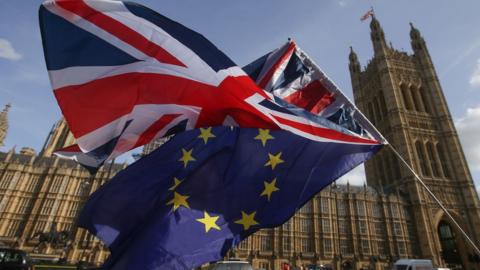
pixel 324 132
pixel 72 148
pixel 152 130
pixel 314 97
pixel 120 30
pixel 272 70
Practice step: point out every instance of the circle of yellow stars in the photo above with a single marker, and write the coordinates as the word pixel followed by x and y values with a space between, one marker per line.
pixel 247 220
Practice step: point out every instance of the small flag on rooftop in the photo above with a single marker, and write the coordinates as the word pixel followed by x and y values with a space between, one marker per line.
pixel 367 15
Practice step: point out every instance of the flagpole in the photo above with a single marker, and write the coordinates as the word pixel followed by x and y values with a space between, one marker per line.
pixel 435 199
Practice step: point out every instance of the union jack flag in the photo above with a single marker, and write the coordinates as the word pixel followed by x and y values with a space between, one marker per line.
pixel 124 75
pixel 367 15
pixel 290 74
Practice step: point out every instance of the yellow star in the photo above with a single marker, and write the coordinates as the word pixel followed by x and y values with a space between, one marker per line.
pixel 178 200
pixel 269 188
pixel 209 221
pixel 186 157
pixel 176 182
pixel 205 134
pixel 264 136
pixel 274 160
pixel 247 220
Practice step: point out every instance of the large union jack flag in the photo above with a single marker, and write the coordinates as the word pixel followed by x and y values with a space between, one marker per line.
pixel 124 75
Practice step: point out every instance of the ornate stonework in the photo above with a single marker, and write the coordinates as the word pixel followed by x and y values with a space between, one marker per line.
pixel 38 191
pixel 4 124
pixel 401 94
pixel 59 137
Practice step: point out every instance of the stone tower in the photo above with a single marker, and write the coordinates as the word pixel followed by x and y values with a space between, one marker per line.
pixel 401 94
pixel 59 137
pixel 4 124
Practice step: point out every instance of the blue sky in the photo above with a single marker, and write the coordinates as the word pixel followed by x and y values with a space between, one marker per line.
pixel 247 29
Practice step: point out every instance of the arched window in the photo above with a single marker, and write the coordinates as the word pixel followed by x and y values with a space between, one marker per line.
pixel 381 175
pixel 449 246
pixel 383 104
pixel 406 97
pixel 416 105
pixel 443 161
pixel 433 159
pixel 371 116
pixel 425 100
pixel 376 108
pixel 421 101
pixel 420 105
pixel 388 170
pixel 395 166
pixel 421 158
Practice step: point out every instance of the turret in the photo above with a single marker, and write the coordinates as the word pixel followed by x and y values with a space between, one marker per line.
pixel 59 137
pixel 354 63
pixel 378 37
pixel 418 43
pixel 354 66
pixel 419 46
pixel 4 123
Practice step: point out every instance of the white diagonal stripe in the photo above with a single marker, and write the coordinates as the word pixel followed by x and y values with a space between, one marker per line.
pixel 142 116
pixel 92 28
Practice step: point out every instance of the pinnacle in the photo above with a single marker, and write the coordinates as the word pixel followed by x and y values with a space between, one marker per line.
pixel 4 123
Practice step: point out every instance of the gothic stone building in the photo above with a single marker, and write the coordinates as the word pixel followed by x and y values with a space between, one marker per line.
pixel 344 227
pixel 402 95
pixel 41 192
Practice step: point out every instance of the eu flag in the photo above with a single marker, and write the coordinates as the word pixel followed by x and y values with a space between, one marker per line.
pixel 205 190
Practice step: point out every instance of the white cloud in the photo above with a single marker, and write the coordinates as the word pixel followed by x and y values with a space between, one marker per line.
pixel 475 79
pixel 355 177
pixel 7 51
pixel 468 129
pixel 342 3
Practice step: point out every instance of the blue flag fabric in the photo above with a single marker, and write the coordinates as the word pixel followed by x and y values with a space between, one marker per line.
pixel 191 200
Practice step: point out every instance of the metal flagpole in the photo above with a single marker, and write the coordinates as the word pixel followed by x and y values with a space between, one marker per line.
pixel 436 199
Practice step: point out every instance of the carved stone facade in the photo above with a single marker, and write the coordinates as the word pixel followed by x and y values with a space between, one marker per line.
pixel 38 191
pixel 401 94
pixel 345 227
pixel 59 137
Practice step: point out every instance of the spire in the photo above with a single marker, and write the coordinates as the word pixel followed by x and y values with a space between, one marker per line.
pixel 376 29
pixel 416 39
pixel 59 137
pixel 47 140
pixel 4 123
pixel 414 33
pixel 352 56
pixel 354 63
pixel 378 36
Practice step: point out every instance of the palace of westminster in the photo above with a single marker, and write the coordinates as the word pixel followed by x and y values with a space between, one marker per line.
pixel 344 227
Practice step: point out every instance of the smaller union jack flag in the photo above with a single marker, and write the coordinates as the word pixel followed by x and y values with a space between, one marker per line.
pixel 367 15
pixel 290 74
